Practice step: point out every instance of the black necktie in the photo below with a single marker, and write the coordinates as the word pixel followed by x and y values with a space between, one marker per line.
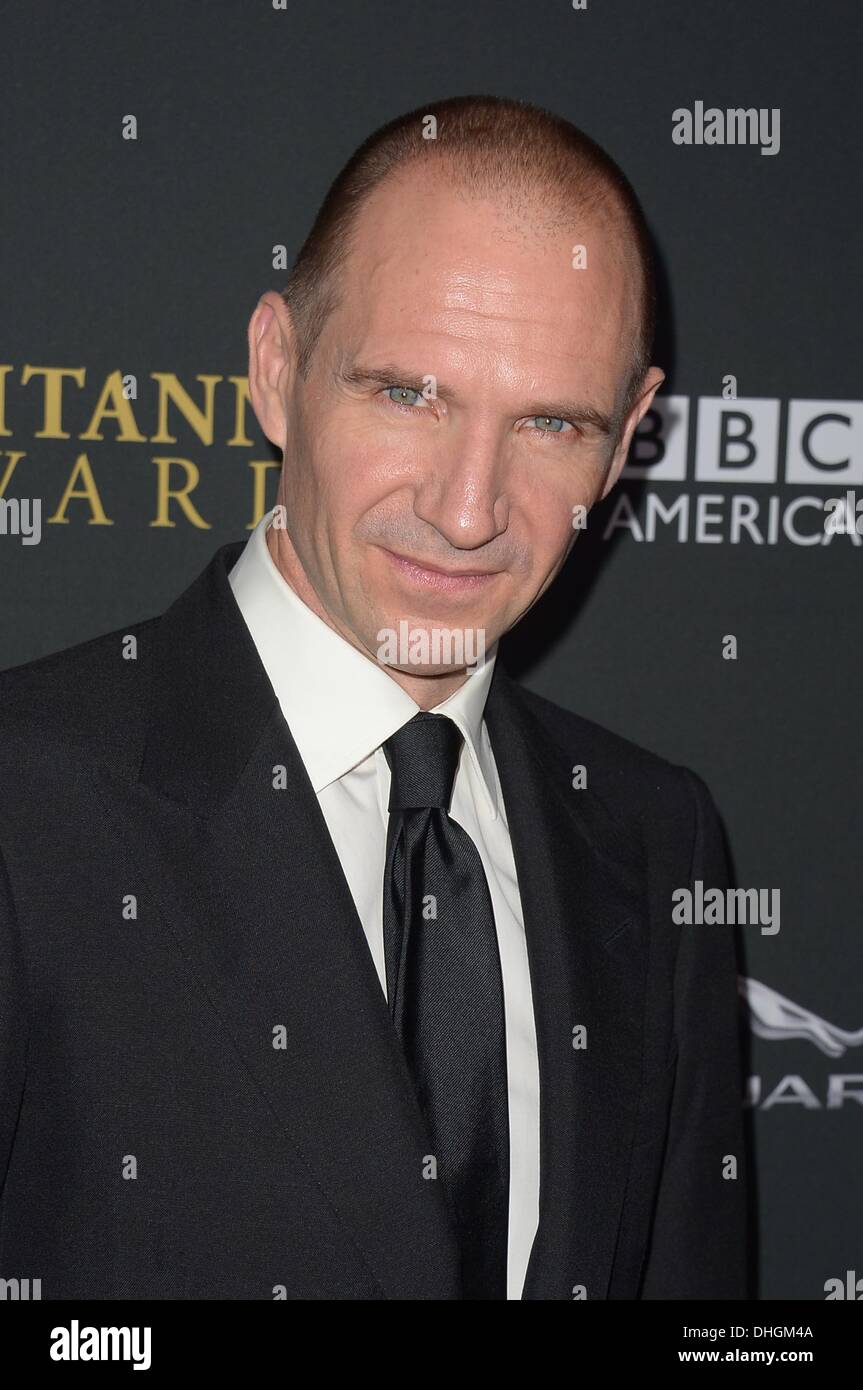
pixel 445 993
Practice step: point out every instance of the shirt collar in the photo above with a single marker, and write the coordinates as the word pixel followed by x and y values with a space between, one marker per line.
pixel 339 704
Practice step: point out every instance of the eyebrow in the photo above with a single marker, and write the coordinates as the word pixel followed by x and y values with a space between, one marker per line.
pixel 391 375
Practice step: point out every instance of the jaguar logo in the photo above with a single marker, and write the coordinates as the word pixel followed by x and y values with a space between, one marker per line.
pixel 774 1017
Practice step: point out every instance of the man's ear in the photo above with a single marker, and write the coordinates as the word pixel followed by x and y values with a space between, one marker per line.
pixel 653 379
pixel 272 363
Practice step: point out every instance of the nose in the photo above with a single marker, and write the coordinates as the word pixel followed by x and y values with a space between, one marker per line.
pixel 462 489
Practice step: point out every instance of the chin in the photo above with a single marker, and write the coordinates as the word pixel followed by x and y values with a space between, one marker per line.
pixel 426 647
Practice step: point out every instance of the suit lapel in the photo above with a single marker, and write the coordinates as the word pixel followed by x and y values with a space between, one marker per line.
pixel 581 886
pixel 251 886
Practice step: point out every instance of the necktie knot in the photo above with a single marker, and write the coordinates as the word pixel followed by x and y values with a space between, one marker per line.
pixel 423 756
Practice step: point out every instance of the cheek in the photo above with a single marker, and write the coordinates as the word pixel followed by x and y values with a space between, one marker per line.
pixel 387 453
pixel 326 468
pixel 551 503
pixel 360 466
pixel 333 480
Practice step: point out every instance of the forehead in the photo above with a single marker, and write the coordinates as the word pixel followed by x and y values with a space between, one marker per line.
pixel 434 270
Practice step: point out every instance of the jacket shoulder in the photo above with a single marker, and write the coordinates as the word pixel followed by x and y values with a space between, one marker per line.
pixel 628 778
pixel 88 697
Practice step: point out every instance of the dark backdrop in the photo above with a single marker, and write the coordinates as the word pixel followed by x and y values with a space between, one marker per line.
pixel 148 256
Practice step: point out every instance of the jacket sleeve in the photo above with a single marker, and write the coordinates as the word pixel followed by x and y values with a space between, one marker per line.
pixel 698 1241
pixel 14 1023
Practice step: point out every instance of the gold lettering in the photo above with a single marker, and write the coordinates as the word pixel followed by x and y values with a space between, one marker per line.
pixel 165 493
pixel 14 459
pixel 121 411
pixel 200 420
pixel 4 371
pixel 241 400
pixel 88 490
pixel 53 396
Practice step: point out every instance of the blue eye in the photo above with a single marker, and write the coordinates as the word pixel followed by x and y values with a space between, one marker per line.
pixel 403 395
pixel 550 424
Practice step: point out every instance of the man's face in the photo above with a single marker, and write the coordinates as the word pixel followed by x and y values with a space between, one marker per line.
pixel 434 459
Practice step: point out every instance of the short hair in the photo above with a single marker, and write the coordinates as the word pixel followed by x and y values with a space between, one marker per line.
pixel 491 145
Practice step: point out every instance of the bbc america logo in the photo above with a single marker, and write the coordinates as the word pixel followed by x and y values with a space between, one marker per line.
pixel 721 448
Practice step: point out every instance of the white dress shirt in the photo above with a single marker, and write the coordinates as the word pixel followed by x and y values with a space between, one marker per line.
pixel 340 707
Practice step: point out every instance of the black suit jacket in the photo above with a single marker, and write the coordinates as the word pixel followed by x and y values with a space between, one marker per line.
pixel 142 1032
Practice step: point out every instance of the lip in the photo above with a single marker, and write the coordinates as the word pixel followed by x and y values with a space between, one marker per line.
pixel 433 577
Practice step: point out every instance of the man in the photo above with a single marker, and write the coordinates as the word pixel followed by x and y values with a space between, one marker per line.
pixel 335 964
